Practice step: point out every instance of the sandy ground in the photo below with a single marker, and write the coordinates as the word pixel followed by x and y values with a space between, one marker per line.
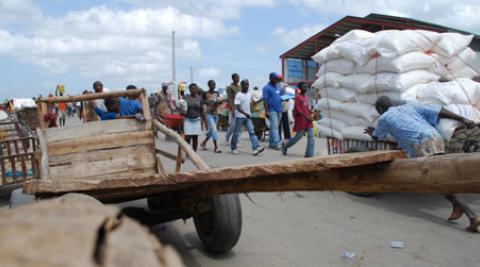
pixel 315 228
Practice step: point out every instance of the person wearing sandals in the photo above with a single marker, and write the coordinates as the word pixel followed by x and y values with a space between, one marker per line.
pixel 211 100
pixel 192 120
pixel 243 117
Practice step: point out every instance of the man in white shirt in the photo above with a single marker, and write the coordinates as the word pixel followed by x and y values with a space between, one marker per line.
pixel 243 116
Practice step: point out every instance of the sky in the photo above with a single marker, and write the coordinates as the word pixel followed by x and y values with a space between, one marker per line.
pixel 47 42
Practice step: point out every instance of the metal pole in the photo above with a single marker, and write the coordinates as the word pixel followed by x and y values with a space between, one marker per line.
pixel 174 68
pixel 191 74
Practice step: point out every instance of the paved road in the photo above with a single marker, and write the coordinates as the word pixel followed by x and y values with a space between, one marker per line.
pixel 314 228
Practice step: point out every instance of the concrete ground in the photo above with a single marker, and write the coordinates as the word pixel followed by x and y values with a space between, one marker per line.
pixel 315 228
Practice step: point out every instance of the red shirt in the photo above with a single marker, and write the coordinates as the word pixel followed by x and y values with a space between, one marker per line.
pixel 301 107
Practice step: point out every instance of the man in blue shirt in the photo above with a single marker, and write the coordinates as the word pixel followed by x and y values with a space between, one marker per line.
pixel 119 107
pixel 413 126
pixel 273 109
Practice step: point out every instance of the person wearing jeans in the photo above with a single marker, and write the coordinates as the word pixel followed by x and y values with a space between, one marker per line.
pixel 211 100
pixel 232 91
pixel 303 123
pixel 273 109
pixel 243 117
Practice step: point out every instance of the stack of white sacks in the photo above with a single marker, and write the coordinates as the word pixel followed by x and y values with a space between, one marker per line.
pixel 361 66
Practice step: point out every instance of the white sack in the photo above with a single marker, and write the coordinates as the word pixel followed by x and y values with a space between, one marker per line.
pixel 446 127
pixel 332 123
pixel 335 79
pixel 342 66
pixel 410 61
pixel 324 132
pixel 356 133
pixel 3 115
pixel 354 35
pixel 461 91
pixel 348 119
pixel 392 43
pixel 365 111
pixel 360 51
pixel 391 82
pixel 338 93
pixel 450 43
pixel 372 98
pixel 20 103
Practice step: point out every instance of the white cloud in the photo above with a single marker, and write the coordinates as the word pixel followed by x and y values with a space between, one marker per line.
pixel 208 73
pixel 100 42
pixel 459 14
pixel 294 36
pixel 16 10
pixel 222 9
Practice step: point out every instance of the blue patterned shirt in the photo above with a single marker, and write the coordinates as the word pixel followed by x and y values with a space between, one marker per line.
pixel 410 124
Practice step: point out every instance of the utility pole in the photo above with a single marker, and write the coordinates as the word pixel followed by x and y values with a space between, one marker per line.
pixel 174 68
pixel 191 74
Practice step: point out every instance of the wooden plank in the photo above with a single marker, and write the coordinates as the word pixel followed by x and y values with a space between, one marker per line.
pixel 76 145
pixel 167 154
pixel 179 159
pixel 41 111
pixel 229 175
pixel 94 128
pixel 94 164
pixel 42 142
pixel 87 97
pixel 146 110
pixel 197 161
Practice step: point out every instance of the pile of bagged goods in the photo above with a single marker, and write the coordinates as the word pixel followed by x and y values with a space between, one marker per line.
pixel 404 65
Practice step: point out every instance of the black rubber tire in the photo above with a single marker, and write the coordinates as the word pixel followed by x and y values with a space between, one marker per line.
pixel 219 228
pixel 356 149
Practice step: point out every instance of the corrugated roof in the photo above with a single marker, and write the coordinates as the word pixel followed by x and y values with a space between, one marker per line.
pixel 372 23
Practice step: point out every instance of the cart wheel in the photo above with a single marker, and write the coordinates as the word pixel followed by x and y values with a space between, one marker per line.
pixel 354 150
pixel 219 228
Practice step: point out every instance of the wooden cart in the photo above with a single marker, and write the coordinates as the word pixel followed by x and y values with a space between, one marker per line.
pixel 19 152
pixel 118 160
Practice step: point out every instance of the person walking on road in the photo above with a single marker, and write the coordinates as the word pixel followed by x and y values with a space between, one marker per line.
pixel 232 91
pixel 303 123
pixel 192 120
pixel 211 100
pixel 243 117
pixel 273 109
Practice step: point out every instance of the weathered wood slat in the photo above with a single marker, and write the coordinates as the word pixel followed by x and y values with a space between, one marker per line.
pixel 197 161
pixel 98 155
pixel 98 163
pixel 86 97
pixel 233 175
pixel 100 142
pixel 42 142
pixel 94 128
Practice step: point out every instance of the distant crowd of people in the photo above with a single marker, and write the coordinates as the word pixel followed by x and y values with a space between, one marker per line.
pixel 246 107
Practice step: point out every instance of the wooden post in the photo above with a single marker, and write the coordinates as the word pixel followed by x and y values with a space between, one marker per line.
pixel 41 111
pixel 179 159
pixel 197 161
pixel 45 169
pixel 146 110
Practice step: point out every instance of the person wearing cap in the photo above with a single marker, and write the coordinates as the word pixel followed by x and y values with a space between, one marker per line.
pixel 273 109
pixel 284 124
